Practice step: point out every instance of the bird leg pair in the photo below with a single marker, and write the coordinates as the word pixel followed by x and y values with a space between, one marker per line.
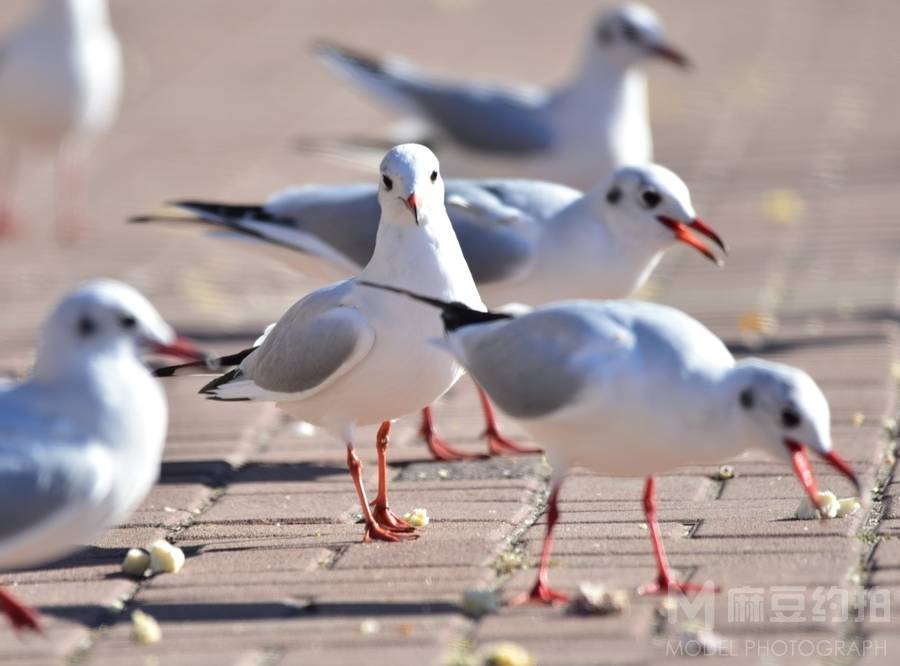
pixel 497 443
pixel 382 524
pixel 542 593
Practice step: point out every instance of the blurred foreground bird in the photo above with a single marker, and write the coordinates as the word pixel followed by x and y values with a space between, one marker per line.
pixel 527 242
pixel 575 134
pixel 60 84
pixel 635 389
pixel 343 355
pixel 81 439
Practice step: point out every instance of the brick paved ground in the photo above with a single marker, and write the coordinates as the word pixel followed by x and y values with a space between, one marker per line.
pixel 786 132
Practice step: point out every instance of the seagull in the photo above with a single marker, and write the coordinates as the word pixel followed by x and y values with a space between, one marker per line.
pixel 635 389
pixel 526 242
pixel 574 134
pixel 81 438
pixel 60 84
pixel 345 356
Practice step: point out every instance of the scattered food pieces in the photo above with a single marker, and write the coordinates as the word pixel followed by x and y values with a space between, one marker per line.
pixel 478 602
pixel 164 557
pixel 505 654
pixel 724 473
pixel 782 206
pixel 136 562
pixel 144 628
pixel 369 626
pixel 592 599
pixel 116 606
pixel 858 419
pixel 418 518
pixel 698 640
pixel 443 473
pixel 829 507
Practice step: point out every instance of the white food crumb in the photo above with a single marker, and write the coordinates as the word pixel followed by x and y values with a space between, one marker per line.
pixel 417 518
pixel 828 507
pixel 144 628
pixel 858 419
pixel 477 602
pixel 505 654
pixel 164 557
pixel 725 472
pixel 136 562
pixel 304 429
pixel 369 626
pixel 847 506
pixel 594 599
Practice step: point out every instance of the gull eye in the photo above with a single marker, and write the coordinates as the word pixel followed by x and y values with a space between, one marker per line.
pixel 747 399
pixel 630 33
pixel 650 198
pixel 605 34
pixel 434 176
pixel 388 183
pixel 790 418
pixel 614 195
pixel 86 327
pixel 127 322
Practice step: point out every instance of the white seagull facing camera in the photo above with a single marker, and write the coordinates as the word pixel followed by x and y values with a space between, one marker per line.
pixel 636 389
pixel 82 438
pixel 526 242
pixel 343 355
pixel 574 134
pixel 60 84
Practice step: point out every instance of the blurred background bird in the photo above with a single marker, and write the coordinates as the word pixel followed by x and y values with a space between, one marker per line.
pixel 60 85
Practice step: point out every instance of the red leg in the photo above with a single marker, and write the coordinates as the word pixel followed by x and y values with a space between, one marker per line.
pixel 542 593
pixel 373 529
pixel 664 582
pixel 497 443
pixel 440 450
pixel 21 616
pixel 380 509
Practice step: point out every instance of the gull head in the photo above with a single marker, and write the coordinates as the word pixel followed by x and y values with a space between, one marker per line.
pixel 104 316
pixel 786 414
pixel 632 32
pixel 410 185
pixel 651 205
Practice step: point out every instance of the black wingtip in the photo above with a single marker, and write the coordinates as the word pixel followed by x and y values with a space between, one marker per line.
pixel 210 387
pixel 170 370
pixel 324 47
pixel 454 314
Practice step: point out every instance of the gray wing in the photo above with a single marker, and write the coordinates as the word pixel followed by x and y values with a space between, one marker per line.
pixel 314 343
pixel 535 364
pixel 483 213
pixel 483 118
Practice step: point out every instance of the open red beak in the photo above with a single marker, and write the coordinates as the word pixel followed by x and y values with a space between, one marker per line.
pixel 671 54
pixel 412 202
pixel 180 348
pixel 803 470
pixel 684 232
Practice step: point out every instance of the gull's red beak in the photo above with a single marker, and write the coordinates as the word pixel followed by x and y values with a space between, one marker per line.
pixel 683 232
pixel 670 53
pixel 412 202
pixel 803 470
pixel 180 348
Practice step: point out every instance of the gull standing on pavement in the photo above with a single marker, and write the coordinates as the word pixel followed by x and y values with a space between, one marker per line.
pixel 81 439
pixel 60 84
pixel 526 242
pixel 636 389
pixel 345 355
pixel 574 134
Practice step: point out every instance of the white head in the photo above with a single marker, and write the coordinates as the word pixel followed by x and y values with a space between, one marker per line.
pixel 630 33
pixel 410 185
pixel 105 317
pixel 785 413
pixel 651 205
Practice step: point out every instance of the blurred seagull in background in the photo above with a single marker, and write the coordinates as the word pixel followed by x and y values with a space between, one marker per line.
pixel 526 242
pixel 60 84
pixel 575 134
pixel 635 389
pixel 81 440
pixel 344 356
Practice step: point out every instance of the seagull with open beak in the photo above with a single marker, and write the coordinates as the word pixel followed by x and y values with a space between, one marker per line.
pixel 636 389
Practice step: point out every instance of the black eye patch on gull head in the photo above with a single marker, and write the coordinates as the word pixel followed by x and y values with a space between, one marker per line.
pixel 434 175
pixel 614 195
pixel 790 418
pixel 650 198
pixel 86 326
pixel 388 183
pixel 631 33
pixel 605 34
pixel 127 322
pixel 747 399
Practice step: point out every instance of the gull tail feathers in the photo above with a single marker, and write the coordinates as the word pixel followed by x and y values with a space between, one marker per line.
pixel 454 314
pixel 214 365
